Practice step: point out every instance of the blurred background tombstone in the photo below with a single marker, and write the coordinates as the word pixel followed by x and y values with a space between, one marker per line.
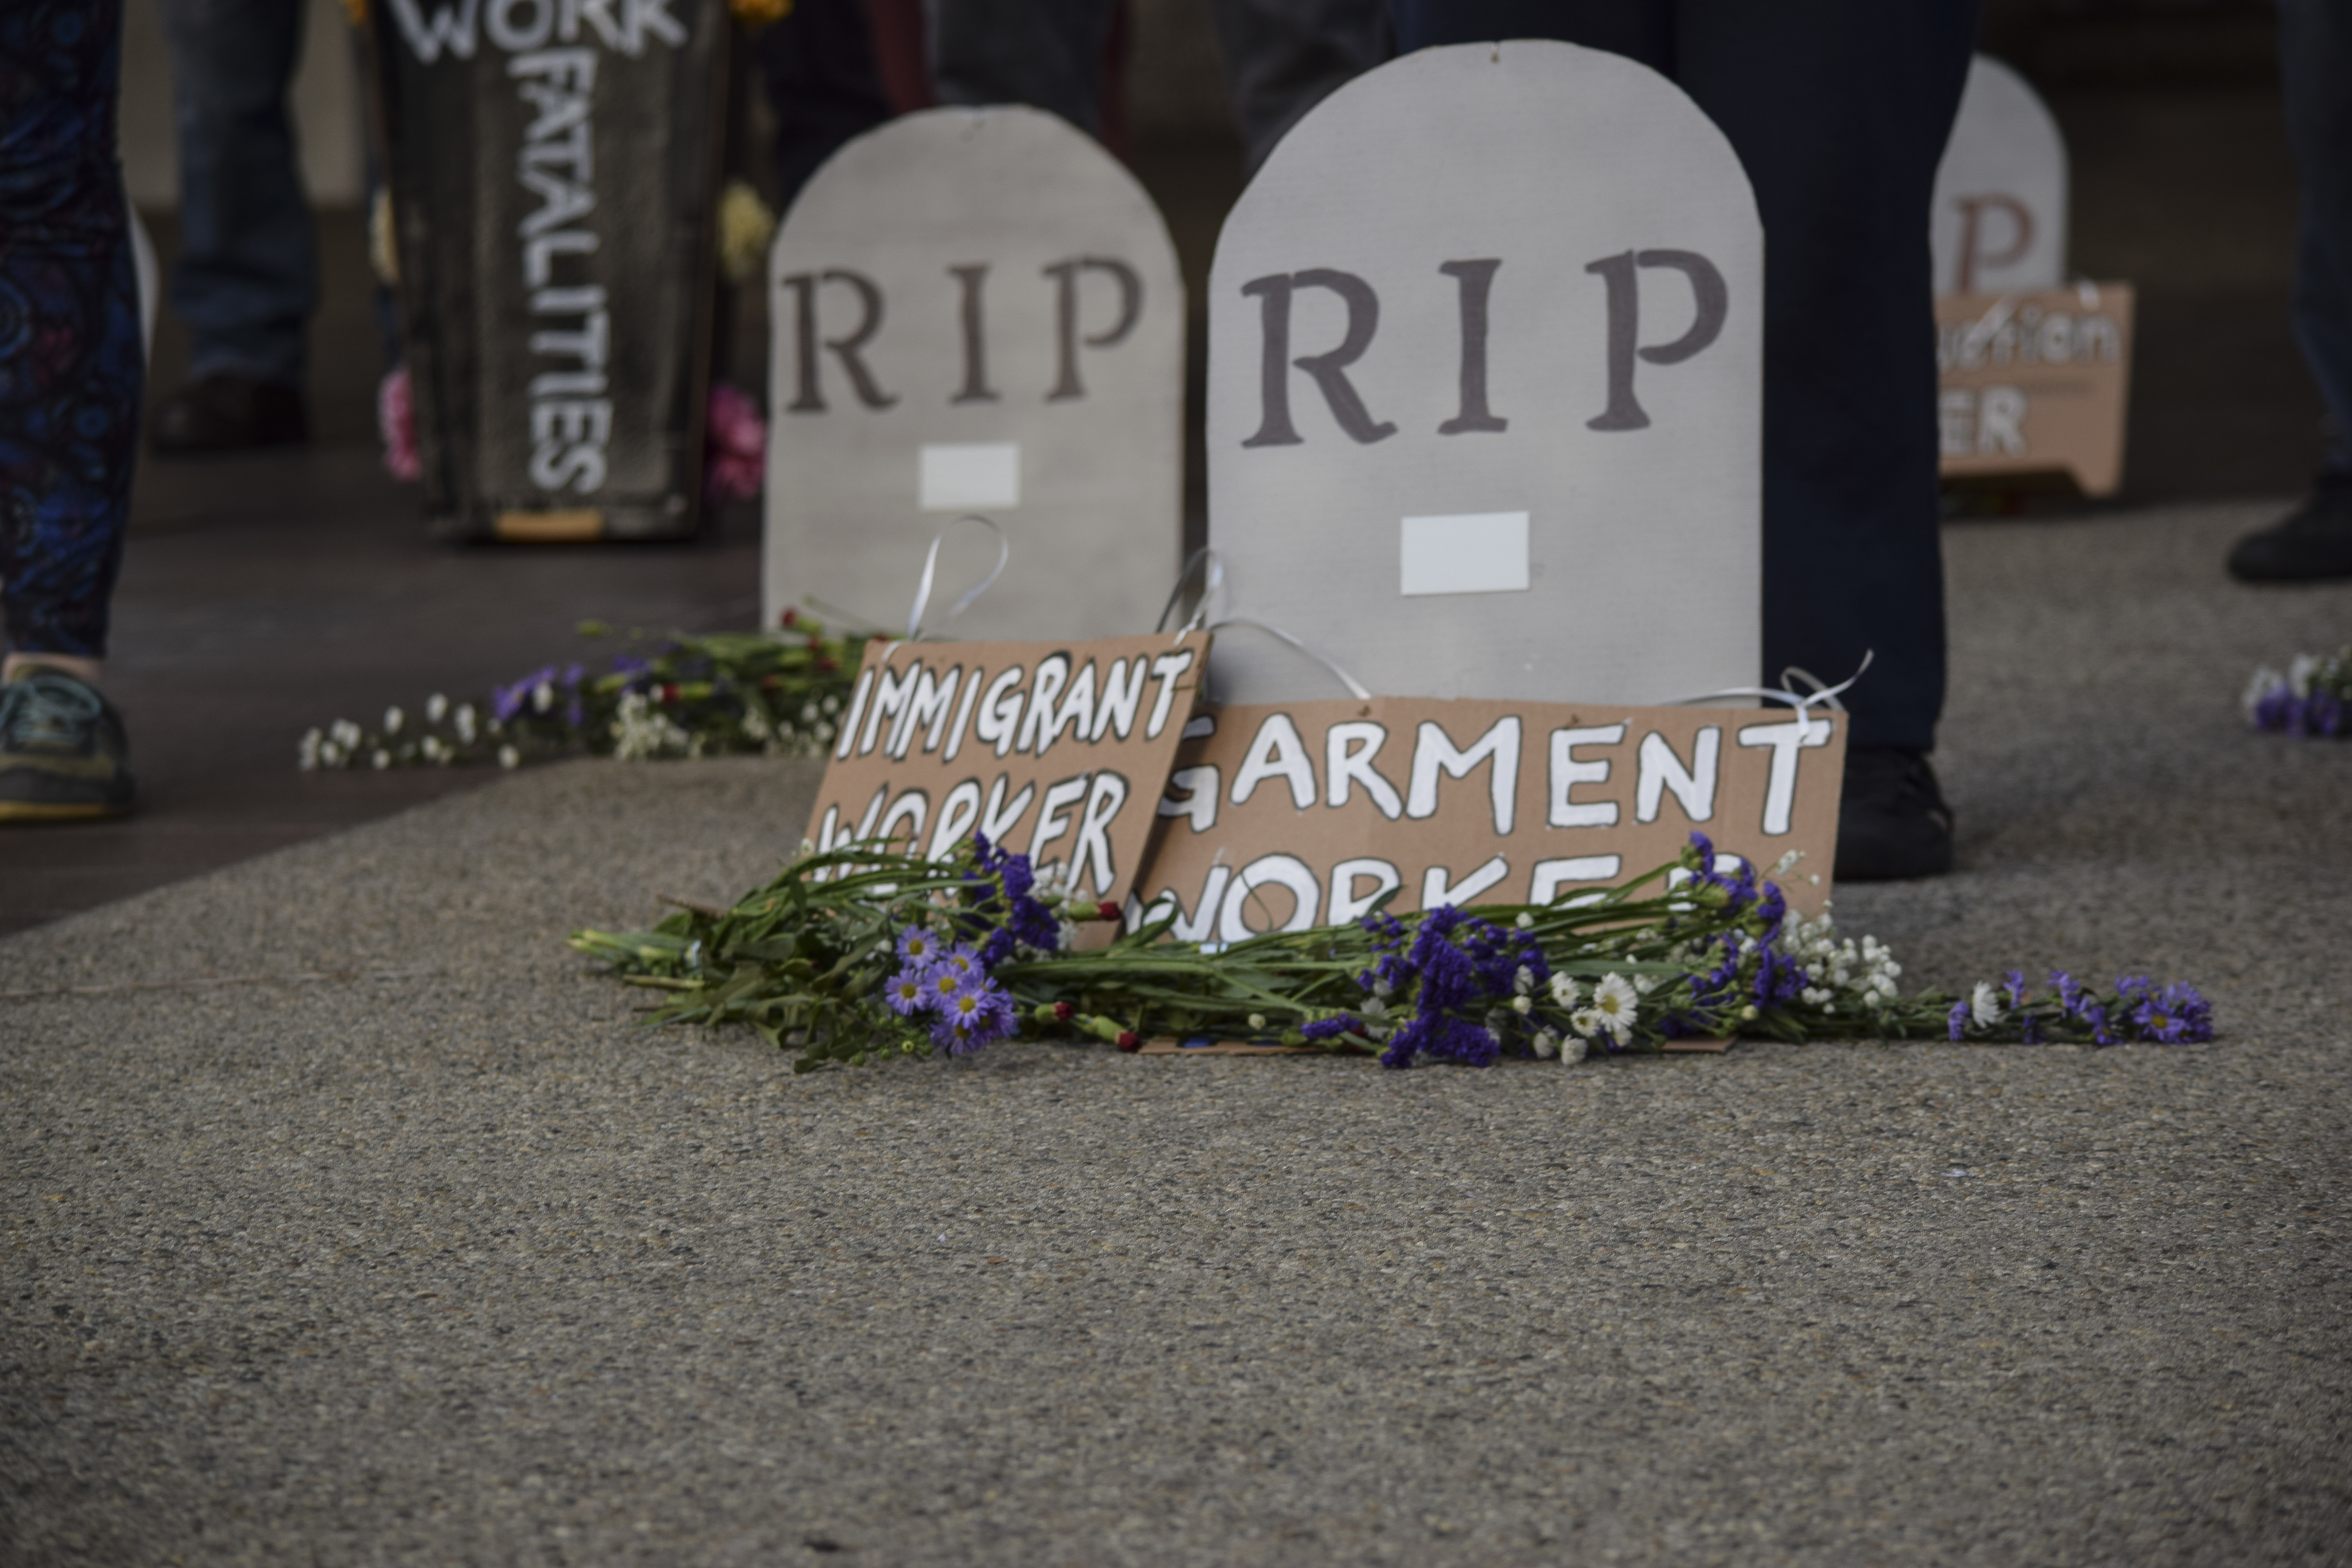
pixel 1485 389
pixel 552 168
pixel 2034 371
pixel 976 310
pixel 1997 222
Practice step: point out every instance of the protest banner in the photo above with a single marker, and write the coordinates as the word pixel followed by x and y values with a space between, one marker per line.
pixel 1484 406
pixel 976 310
pixel 553 170
pixel 1057 751
pixel 2035 383
pixel 1997 223
pixel 1283 817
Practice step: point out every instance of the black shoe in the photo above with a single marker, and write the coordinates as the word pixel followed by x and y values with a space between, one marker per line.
pixel 2312 543
pixel 63 755
pixel 230 413
pixel 1892 820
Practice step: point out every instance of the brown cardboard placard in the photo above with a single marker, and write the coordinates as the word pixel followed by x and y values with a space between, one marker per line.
pixel 1057 749
pixel 1294 815
pixel 2035 383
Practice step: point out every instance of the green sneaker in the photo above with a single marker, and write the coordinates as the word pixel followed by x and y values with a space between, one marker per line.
pixel 63 755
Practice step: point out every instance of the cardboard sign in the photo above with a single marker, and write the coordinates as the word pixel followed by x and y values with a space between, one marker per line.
pixel 977 310
pixel 1055 750
pixel 1291 815
pixel 2036 384
pixel 553 170
pixel 1485 388
pixel 1999 217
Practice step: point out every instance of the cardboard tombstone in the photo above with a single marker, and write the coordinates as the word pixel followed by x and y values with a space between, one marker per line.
pixel 552 168
pixel 977 310
pixel 1287 815
pixel 1485 388
pixel 1057 751
pixel 1997 222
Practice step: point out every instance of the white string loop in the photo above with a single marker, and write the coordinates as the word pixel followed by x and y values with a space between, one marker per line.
pixel 931 567
pixel 1802 702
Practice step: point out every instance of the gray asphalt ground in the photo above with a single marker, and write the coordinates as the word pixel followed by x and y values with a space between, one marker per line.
pixel 445 1258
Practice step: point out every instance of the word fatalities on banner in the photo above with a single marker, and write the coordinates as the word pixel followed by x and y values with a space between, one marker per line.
pixel 553 48
pixel 1056 750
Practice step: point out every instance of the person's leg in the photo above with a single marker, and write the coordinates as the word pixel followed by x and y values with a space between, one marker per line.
pixel 1839 111
pixel 824 84
pixel 1284 57
pixel 71 368
pixel 2315 70
pixel 248 275
pixel 1045 53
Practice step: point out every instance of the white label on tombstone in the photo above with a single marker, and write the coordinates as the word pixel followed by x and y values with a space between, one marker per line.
pixel 1997 224
pixel 1479 552
pixel 971 476
pixel 1522 278
pixel 983 302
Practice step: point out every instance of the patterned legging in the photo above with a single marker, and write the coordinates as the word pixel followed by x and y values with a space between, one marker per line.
pixel 72 366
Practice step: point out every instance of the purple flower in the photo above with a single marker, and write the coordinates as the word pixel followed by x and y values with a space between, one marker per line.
pixel 919 948
pixel 1332 1028
pixel 2070 993
pixel 2177 1015
pixel 2031 1031
pixel 2097 1016
pixel 962 959
pixel 942 985
pixel 1957 1022
pixel 908 992
pixel 2014 983
pixel 974 1017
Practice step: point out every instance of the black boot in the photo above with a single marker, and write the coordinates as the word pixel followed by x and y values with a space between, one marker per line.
pixel 1892 819
pixel 230 413
pixel 2312 543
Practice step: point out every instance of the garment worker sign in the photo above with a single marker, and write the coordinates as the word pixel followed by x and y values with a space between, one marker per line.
pixel 2035 383
pixel 1058 750
pixel 1288 816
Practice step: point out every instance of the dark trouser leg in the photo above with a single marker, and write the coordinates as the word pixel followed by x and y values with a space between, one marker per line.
pixel 1285 57
pixel 247 277
pixel 1047 54
pixel 1839 111
pixel 2316 67
pixel 821 83
pixel 71 367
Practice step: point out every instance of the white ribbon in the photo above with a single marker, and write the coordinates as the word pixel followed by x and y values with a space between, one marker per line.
pixel 1827 695
pixel 930 571
pixel 1212 590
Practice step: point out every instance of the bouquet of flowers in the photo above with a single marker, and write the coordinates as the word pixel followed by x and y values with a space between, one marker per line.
pixel 2308 698
pixel 861 953
pixel 774 693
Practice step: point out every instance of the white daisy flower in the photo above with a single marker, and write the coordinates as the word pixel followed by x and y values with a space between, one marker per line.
pixel 437 707
pixel 1617 1002
pixel 1547 1043
pixel 1565 990
pixel 1985 1005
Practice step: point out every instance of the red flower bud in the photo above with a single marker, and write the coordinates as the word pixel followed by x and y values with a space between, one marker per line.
pixel 1063 1012
pixel 826 667
pixel 788 618
pixel 1129 1041
pixel 1106 910
pixel 670 694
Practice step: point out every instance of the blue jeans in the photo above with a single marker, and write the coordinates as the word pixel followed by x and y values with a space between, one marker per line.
pixel 1839 111
pixel 248 276
pixel 2315 69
